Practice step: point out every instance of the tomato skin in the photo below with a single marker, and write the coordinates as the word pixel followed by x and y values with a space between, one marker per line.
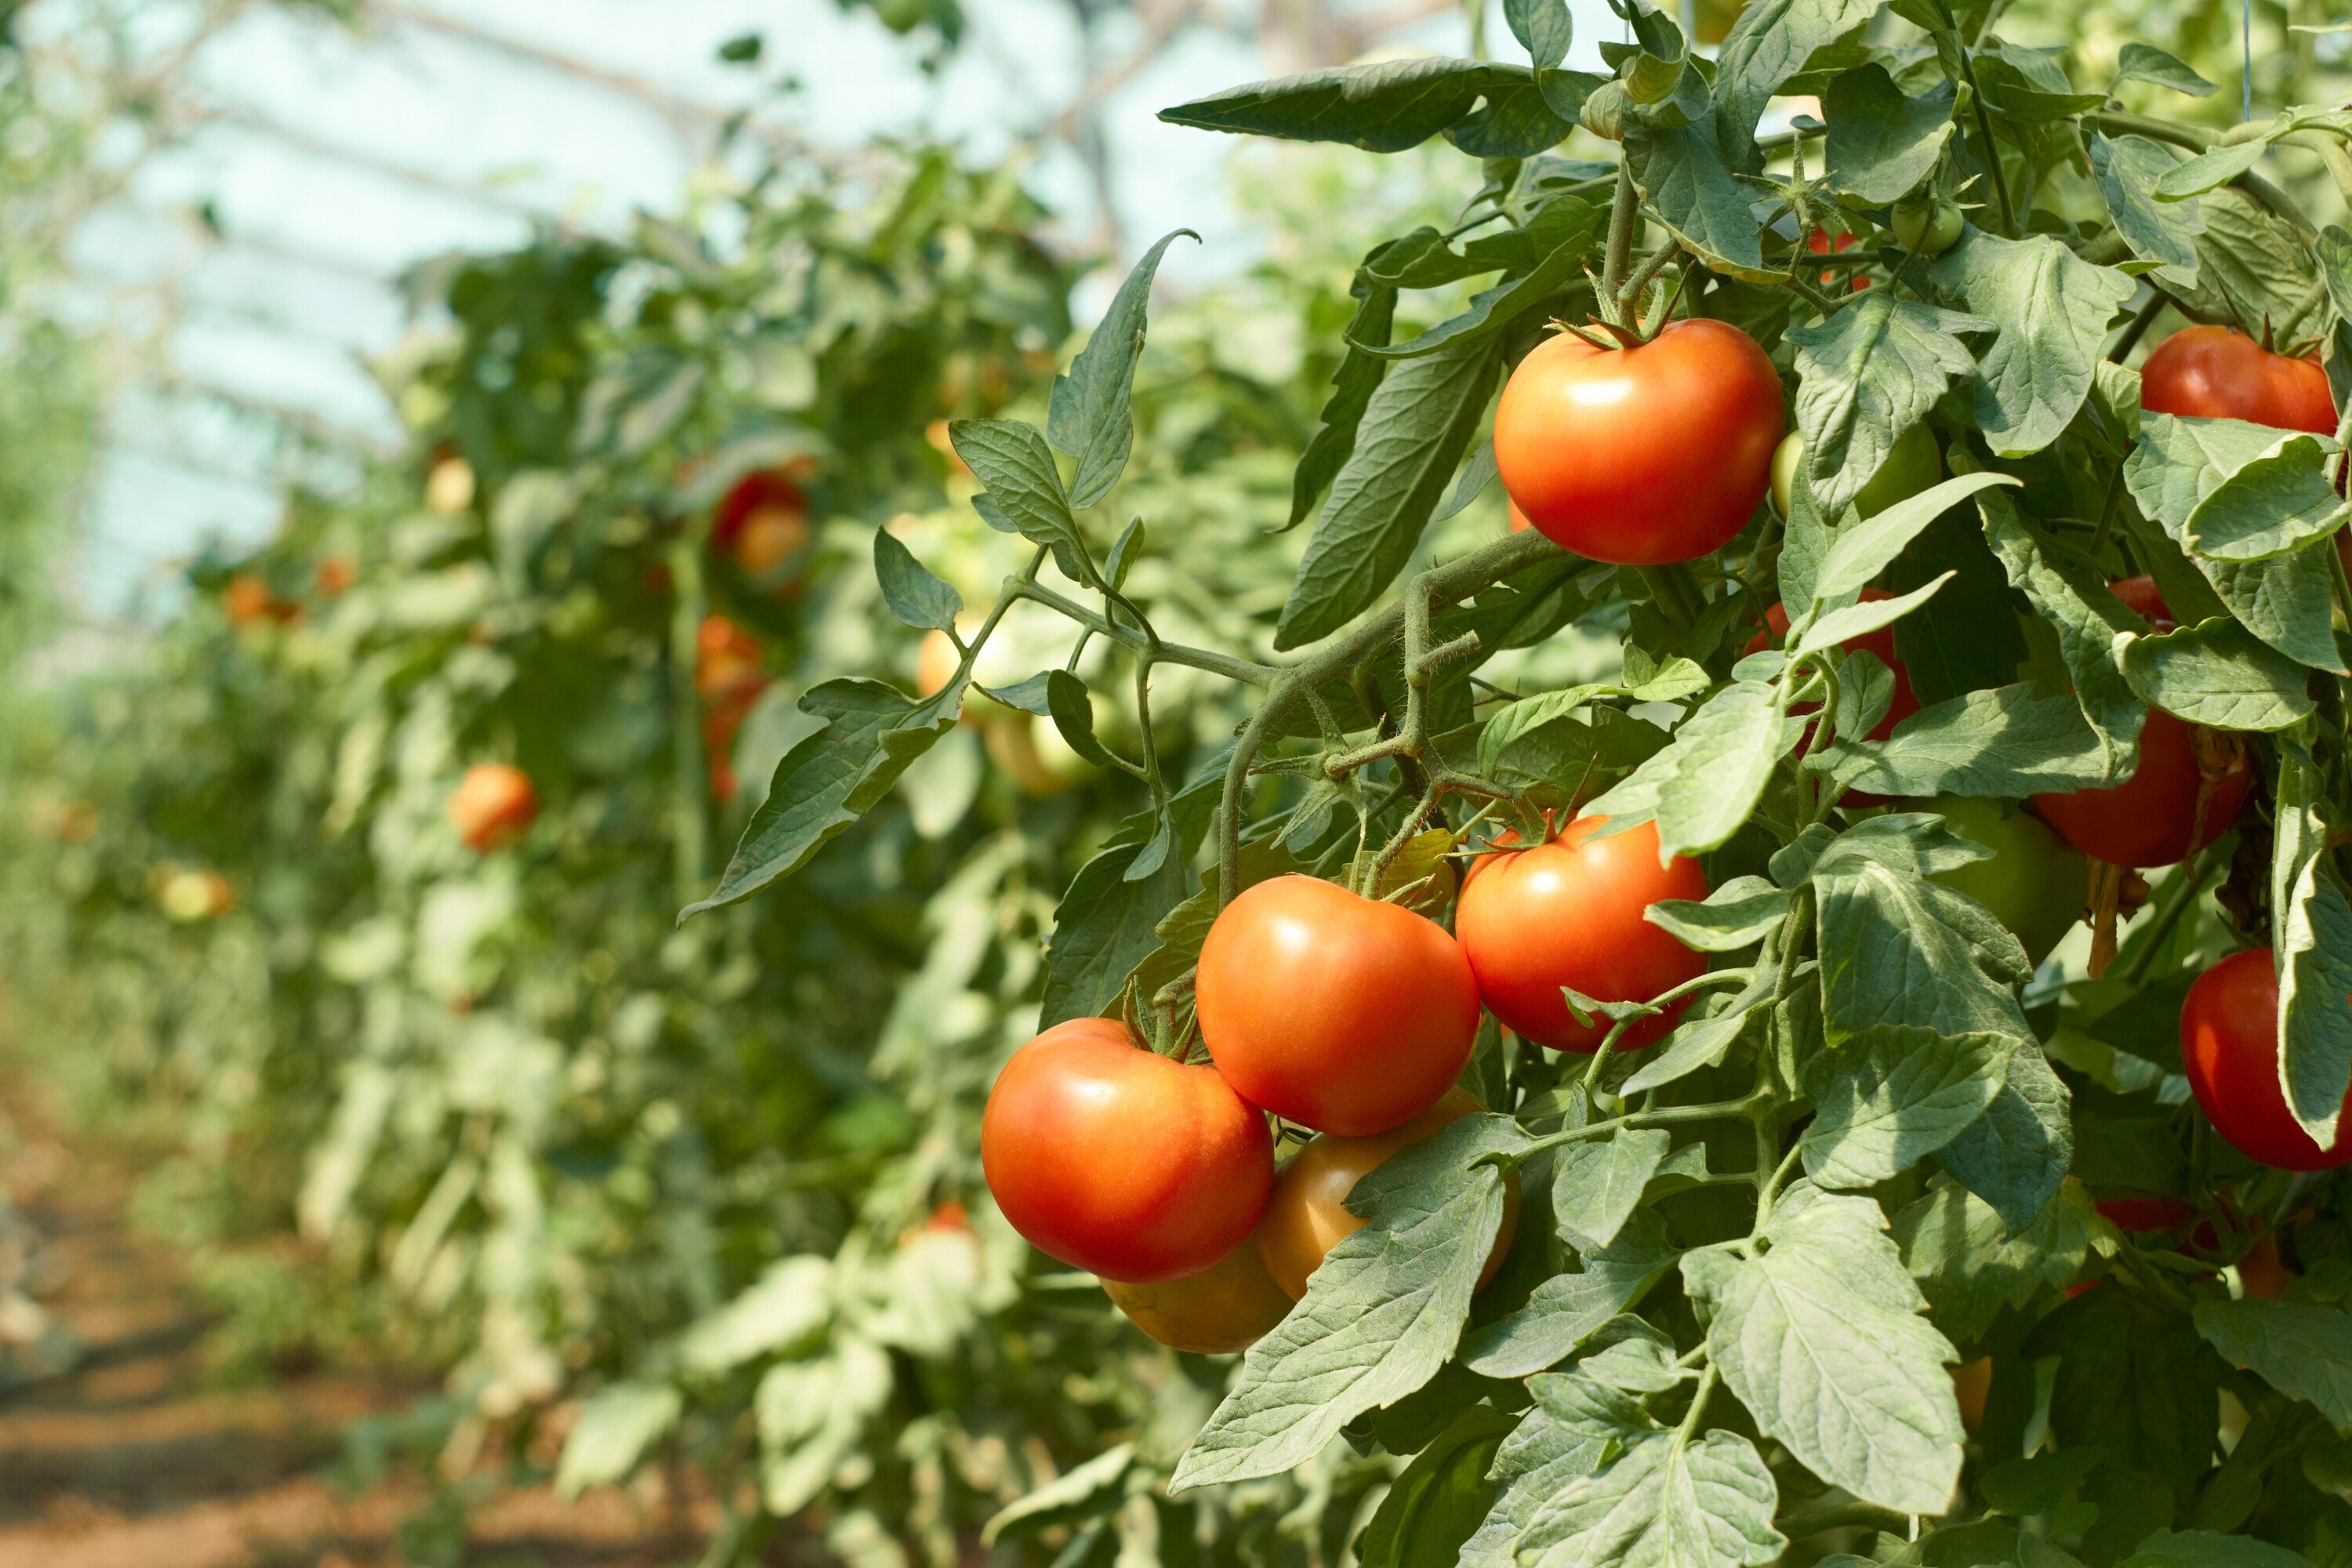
pixel 1927 228
pixel 1121 1162
pixel 2145 599
pixel 1644 456
pixel 1226 1307
pixel 1913 464
pixel 1518 518
pixel 1568 912
pixel 2036 883
pixel 2213 373
pixel 492 805
pixel 1307 1214
pixel 2152 818
pixel 2229 1048
pixel 1333 1010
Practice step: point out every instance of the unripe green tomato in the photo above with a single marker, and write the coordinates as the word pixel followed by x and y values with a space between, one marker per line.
pixel 1913 466
pixel 2035 884
pixel 1927 228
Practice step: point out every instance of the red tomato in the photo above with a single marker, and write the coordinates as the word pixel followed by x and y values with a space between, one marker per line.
pixel 2215 374
pixel 492 805
pixel 1518 518
pixel 2141 595
pixel 1641 456
pixel 1306 1214
pixel 752 492
pixel 1336 1012
pixel 1568 912
pixel 2154 817
pixel 1226 1307
pixel 1119 1160
pixel 2229 1047
pixel 727 664
pixel 1818 242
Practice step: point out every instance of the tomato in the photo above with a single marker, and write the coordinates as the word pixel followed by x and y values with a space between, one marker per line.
pixel 2144 598
pixel 2261 1273
pixel 726 663
pixel 1641 456
pixel 2036 883
pixel 1568 912
pixel 1518 518
pixel 2162 813
pixel 247 599
pixel 1913 464
pixel 1121 1162
pixel 1927 228
pixel 1226 1307
pixel 1308 1212
pixel 2215 374
pixel 336 574
pixel 2229 1048
pixel 1333 1010
pixel 1818 242
pixel 492 805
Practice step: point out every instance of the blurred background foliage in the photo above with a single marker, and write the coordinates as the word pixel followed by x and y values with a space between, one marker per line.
pixel 706 1193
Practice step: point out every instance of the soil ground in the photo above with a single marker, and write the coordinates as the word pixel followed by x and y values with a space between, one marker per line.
pixel 131 1452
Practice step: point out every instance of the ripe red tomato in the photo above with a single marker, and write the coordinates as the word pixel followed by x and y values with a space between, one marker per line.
pixel 1117 1160
pixel 2215 374
pixel 1336 1012
pixel 1568 912
pixel 1226 1307
pixel 2229 1048
pixel 728 663
pixel 2155 817
pixel 1518 518
pixel 1818 242
pixel 1306 1214
pixel 1641 456
pixel 763 522
pixel 2144 598
pixel 492 805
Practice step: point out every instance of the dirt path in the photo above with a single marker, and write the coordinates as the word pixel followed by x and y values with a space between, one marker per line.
pixel 122 1449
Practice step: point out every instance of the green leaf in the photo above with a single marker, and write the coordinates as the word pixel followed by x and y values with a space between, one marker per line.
pixel 2088 619
pixel 1083 1491
pixel 1769 44
pixel 2004 742
pixel 2285 600
pixel 811 1416
pixel 1693 188
pixel 2015 1155
pixel 2209 170
pixel 916 596
pixel 1631 1354
pixel 617 1424
pixel 1521 117
pixel 1703 785
pixel 1569 1308
pixel 1869 372
pixel 1493 309
pixel 1542 27
pixel 1382 107
pixel 1089 417
pixel 2204 1549
pixel 2231 491
pixel 2052 308
pixel 1597 1185
pixel 1822 1337
pixel 2021 1488
pixel 1014 462
pixel 2145 62
pixel 1416 428
pixel 2142 1385
pixel 2128 168
pixel 2026 84
pixel 1664 1504
pixel 2314 956
pixel 1442 1496
pixel 1882 144
pixel 1967 638
pixel 2215 673
pixel 831 779
pixel 1577 1424
pixel 1972 1264
pixel 1352 385
pixel 2253 270
pixel 1738 914
pixel 2302 1349
pixel 1380 1315
pixel 1706 1035
pixel 1073 713
pixel 1859 550
pixel 1894 1096
pixel 1858 620
pixel 790 1304
pixel 1104 927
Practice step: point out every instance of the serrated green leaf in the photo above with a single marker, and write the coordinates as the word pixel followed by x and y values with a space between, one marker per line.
pixel 913 595
pixel 2145 62
pixel 1570 1307
pixel 2285 600
pixel 1664 1504
pixel 1822 1337
pixel 1881 143
pixel 1083 1491
pixel 1868 374
pixel 2052 308
pixel 1380 1315
pixel 2005 741
pixel 2301 1349
pixel 2231 491
pixel 1597 1185
pixel 1089 418
pixel 2128 168
pixel 1860 549
pixel 1709 780
pixel 1380 108
pixel 1352 385
pixel 1769 44
pixel 1631 1354
pixel 2254 269
pixel 2087 618
pixel 2209 170
pixel 831 779
pixel 1418 424
pixel 1521 117
pixel 2314 956
pixel 1492 309
pixel 1542 27
pixel 2142 1386
pixel 1441 1497
pixel 616 1425
pixel 1693 186
pixel 1105 927
pixel 2217 673
pixel 1706 1035
pixel 1738 914
pixel 2015 1155
pixel 1972 1264
pixel 1572 1430
pixel 1894 1096
pixel 1861 619
pixel 1013 460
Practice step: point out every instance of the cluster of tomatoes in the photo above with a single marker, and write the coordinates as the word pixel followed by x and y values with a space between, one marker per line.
pixel 1352 1018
